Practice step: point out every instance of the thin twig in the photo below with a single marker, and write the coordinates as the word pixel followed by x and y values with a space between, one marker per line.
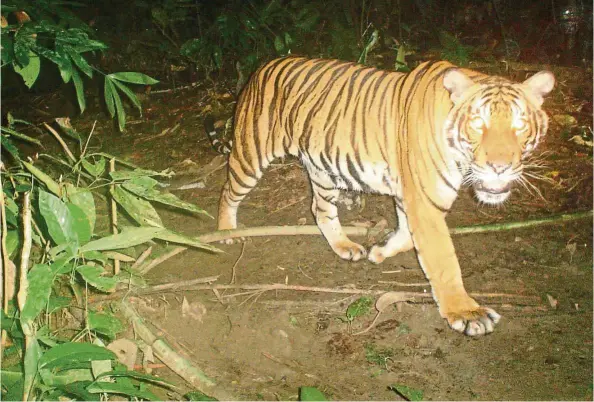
pixel 61 141
pixel 232 281
pixel 157 261
pixel 8 286
pixel 114 216
pixel 404 283
pixel 255 288
pixel 141 258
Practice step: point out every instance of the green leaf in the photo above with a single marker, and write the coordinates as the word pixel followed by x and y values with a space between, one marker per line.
pixel 12 382
pixel 83 199
pixel 60 223
pixel 7 145
pixel 81 63
pixel 129 94
pixel 95 256
pixel 134 78
pixel 105 324
pixel 96 169
pixel 122 389
pixel 108 93
pixel 359 307
pixel 139 188
pixel 119 110
pixel 137 376
pixel 279 44
pixel 66 354
pixel 12 241
pixel 57 303
pixel 311 394
pixel 93 276
pixel 139 209
pixel 78 390
pixel 80 90
pixel 130 174
pixel 51 185
pixel 20 136
pixel 129 237
pixel 198 396
pixel 408 393
pixel 40 279
pixel 80 223
pixel 32 357
pixel 174 237
pixel 30 70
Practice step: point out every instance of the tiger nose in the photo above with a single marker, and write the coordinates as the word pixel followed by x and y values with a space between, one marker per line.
pixel 499 167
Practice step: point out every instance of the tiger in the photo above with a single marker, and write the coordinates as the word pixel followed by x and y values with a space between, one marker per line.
pixel 417 137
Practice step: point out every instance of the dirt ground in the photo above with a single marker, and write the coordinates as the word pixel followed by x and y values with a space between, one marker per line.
pixel 266 345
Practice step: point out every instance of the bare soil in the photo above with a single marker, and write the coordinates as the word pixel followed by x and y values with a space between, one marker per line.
pixel 266 345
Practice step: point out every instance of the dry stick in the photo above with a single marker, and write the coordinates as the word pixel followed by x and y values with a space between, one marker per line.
pixel 141 258
pixel 153 263
pixel 114 217
pixel 61 141
pixel 180 365
pixel 23 280
pixel 186 285
pixel 5 266
pixel 232 281
pixel 358 231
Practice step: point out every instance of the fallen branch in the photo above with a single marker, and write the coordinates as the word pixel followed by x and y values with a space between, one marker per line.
pixel 360 231
pixel 422 296
pixel 180 365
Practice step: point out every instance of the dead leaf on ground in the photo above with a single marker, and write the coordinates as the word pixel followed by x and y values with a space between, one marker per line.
pixel 126 351
pixel 194 310
pixel 552 301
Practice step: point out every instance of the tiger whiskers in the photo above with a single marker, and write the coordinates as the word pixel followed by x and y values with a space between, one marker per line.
pixel 531 188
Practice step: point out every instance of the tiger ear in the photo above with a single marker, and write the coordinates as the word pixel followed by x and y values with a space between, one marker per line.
pixel 541 84
pixel 456 82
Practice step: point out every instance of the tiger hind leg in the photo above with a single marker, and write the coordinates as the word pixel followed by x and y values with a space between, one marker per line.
pixel 236 188
pixel 395 243
pixel 326 213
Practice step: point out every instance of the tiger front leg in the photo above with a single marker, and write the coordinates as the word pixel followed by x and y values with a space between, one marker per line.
pixel 326 213
pixel 436 254
pixel 395 243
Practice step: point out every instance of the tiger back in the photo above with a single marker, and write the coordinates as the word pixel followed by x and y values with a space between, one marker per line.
pixel 417 137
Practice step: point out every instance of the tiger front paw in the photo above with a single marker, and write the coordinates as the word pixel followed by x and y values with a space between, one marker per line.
pixel 349 250
pixel 480 321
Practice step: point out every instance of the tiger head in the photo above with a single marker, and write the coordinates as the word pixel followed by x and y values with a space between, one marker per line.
pixel 493 125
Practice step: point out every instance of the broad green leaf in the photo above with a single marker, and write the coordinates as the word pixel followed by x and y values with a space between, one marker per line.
pixel 119 110
pixel 173 237
pixel 32 357
pixel 105 324
pixel 66 70
pixel 163 198
pixel 410 394
pixel 12 241
pixel 13 383
pixel 122 389
pixel 7 145
pixel 57 303
pixel 51 185
pixel 95 169
pixel 93 276
pixel 108 92
pixel 60 223
pixel 95 256
pixel 311 394
pixel 279 44
pixel 359 307
pixel 127 238
pixel 80 90
pixel 29 71
pixel 81 63
pixel 83 198
pixel 198 396
pixel 134 78
pixel 139 209
pixel 40 279
pixel 68 353
pixel 129 94
pixel 80 223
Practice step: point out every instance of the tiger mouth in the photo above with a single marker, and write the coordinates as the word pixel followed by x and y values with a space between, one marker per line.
pixel 493 190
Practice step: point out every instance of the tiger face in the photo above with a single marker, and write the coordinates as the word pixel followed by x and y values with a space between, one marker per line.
pixel 493 126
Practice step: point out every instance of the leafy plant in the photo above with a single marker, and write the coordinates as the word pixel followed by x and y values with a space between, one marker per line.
pixel 377 356
pixel 311 394
pixel 406 392
pixel 453 50
pixel 59 218
pixel 358 308
pixel 27 41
